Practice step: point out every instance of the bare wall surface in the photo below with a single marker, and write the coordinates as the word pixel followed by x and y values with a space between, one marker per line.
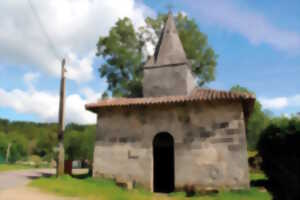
pixel 210 143
pixel 168 80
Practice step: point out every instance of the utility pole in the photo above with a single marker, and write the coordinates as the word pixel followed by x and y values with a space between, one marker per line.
pixel 61 117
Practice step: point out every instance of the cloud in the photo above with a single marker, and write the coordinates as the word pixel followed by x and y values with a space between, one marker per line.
pixel 274 103
pixel 90 94
pixel 280 102
pixel 80 69
pixel 30 78
pixel 250 24
pixel 73 25
pixel 44 105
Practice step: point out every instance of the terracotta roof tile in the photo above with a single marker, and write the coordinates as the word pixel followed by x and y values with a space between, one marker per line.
pixel 196 95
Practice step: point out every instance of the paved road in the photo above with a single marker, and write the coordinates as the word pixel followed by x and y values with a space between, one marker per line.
pixel 13 186
pixel 20 178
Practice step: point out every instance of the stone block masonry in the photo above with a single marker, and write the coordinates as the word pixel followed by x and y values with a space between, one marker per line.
pixel 177 135
pixel 209 144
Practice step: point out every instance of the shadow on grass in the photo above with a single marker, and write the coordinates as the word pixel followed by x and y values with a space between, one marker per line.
pixel 81 176
pixel 49 175
pixel 260 183
pixel 42 175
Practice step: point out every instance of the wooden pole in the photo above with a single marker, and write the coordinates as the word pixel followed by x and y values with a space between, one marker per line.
pixel 8 152
pixel 61 117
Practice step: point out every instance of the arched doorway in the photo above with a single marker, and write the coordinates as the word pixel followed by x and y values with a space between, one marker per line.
pixel 163 163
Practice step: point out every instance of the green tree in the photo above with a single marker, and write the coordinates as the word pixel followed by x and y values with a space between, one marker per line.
pixel 19 147
pixel 4 125
pixel 39 139
pixel 3 146
pixel 80 145
pixel 279 148
pixel 257 122
pixel 89 141
pixel 124 52
pixel 201 55
pixel 45 144
pixel 73 144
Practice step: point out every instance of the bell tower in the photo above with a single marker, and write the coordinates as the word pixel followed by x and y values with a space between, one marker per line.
pixel 168 71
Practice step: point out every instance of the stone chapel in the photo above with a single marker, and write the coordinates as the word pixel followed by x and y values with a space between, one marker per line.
pixel 178 134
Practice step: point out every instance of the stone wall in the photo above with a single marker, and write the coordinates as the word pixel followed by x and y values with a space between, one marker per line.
pixel 167 80
pixel 210 143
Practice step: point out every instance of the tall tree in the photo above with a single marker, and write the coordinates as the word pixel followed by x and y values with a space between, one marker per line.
pixel 124 52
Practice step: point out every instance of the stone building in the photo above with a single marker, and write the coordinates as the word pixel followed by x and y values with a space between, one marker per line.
pixel 177 134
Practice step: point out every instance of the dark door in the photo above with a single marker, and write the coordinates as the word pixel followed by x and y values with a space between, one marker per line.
pixel 163 157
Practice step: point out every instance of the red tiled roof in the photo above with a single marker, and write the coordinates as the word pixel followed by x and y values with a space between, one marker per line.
pixel 196 95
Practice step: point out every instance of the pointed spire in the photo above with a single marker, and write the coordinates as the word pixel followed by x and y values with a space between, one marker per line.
pixel 169 49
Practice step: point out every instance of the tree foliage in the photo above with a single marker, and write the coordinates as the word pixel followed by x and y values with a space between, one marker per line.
pixel 19 147
pixel 44 145
pixel 30 139
pixel 201 55
pixel 80 145
pixel 3 146
pixel 279 149
pixel 124 53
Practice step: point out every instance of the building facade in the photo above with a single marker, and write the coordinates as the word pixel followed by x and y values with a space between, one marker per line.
pixel 177 135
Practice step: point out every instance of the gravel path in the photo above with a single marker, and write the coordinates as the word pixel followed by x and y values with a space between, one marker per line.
pixel 27 193
pixel 19 178
pixel 13 185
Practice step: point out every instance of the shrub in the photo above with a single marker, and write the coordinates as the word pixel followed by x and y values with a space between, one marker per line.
pixel 44 146
pixel 279 147
pixel 19 147
pixel 79 145
pixel 254 161
pixel 36 160
pixel 3 147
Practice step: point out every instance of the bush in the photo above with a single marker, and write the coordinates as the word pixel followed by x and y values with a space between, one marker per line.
pixel 36 160
pixel 19 147
pixel 255 162
pixel 79 145
pixel 45 145
pixel 3 147
pixel 279 147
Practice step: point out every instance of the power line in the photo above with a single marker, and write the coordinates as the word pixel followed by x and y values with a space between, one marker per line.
pixel 43 30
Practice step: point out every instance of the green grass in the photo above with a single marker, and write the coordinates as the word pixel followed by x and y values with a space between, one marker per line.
pixel 254 176
pixel 94 189
pixel 252 153
pixel 12 167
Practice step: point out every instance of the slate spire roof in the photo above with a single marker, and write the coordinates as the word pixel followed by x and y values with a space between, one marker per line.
pixel 169 50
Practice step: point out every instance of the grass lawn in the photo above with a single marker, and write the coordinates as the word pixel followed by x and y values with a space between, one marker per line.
pixel 94 189
pixel 11 167
pixel 254 176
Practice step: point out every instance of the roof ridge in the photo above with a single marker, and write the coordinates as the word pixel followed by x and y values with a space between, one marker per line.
pixel 218 90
